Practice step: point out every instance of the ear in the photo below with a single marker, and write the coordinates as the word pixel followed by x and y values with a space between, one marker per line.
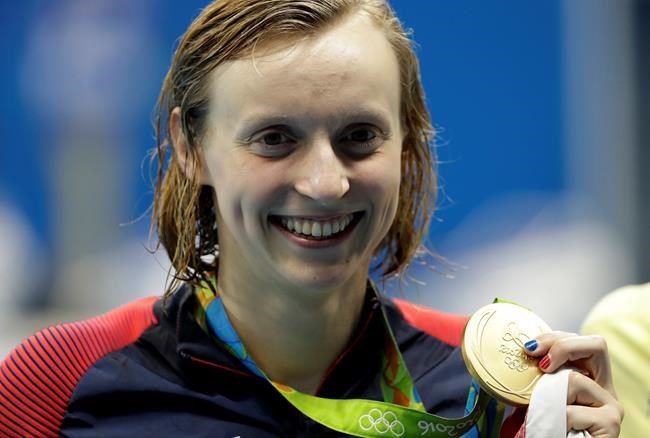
pixel 181 150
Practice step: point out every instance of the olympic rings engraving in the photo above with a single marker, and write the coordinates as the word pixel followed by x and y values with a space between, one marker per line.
pixel 381 422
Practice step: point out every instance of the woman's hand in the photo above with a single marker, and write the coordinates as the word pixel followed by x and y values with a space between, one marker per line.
pixel 591 399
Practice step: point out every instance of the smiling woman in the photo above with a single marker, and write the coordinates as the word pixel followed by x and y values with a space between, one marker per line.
pixel 287 78
pixel 294 153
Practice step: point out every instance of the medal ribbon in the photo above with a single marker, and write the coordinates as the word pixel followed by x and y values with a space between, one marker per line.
pixel 401 414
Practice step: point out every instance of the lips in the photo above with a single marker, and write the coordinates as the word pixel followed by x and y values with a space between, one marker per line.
pixel 317 229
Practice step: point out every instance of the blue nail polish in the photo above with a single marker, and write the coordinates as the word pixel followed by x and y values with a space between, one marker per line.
pixel 531 345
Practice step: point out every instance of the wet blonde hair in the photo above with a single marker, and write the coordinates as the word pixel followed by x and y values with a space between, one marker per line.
pixel 183 210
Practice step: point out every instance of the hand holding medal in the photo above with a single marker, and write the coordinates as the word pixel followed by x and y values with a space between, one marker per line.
pixel 507 349
pixel 494 351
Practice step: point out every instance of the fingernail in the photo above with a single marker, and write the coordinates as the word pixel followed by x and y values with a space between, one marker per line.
pixel 531 345
pixel 545 362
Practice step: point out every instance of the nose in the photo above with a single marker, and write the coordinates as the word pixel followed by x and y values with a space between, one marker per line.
pixel 323 174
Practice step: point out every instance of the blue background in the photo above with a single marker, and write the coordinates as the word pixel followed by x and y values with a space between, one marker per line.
pixel 491 71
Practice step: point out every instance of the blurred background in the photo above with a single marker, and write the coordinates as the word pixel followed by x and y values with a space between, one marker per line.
pixel 543 141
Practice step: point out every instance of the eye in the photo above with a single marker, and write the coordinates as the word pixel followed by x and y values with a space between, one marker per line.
pixel 362 140
pixel 275 139
pixel 361 135
pixel 272 142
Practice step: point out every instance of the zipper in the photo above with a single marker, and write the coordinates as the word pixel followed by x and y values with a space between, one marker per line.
pixel 198 360
pixel 351 345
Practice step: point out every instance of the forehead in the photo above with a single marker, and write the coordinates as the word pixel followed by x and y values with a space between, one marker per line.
pixel 351 62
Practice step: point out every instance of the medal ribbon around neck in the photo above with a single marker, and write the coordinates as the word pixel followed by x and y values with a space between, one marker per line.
pixel 401 414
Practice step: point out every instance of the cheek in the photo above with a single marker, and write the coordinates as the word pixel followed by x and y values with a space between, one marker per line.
pixel 392 195
pixel 382 183
pixel 388 174
pixel 389 187
pixel 244 191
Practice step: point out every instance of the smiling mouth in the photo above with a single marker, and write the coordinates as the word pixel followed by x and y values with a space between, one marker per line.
pixel 316 229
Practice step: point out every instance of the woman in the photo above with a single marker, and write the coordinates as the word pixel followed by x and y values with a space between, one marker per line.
pixel 300 158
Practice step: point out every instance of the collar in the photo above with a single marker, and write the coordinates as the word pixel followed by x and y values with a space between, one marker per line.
pixel 352 372
pixel 193 357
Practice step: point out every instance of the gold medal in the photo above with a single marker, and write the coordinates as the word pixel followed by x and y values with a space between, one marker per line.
pixel 493 350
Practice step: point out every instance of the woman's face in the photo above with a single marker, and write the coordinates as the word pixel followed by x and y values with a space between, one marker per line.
pixel 303 147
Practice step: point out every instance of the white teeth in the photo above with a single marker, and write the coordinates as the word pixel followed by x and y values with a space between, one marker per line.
pixel 344 223
pixel 315 228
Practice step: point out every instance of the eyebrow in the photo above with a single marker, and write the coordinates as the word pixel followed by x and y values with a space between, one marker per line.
pixel 253 124
pixel 365 115
pixel 257 122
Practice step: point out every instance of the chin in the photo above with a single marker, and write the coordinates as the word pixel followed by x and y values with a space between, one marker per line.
pixel 318 278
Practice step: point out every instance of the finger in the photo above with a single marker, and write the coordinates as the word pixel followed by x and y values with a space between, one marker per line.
pixel 599 422
pixel 584 391
pixel 590 407
pixel 539 346
pixel 589 353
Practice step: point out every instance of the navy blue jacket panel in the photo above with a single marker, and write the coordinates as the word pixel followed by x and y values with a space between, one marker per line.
pixel 161 375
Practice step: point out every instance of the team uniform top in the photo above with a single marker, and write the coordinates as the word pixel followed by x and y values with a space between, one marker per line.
pixel 148 369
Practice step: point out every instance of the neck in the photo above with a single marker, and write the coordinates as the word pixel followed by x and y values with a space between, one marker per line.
pixel 293 336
